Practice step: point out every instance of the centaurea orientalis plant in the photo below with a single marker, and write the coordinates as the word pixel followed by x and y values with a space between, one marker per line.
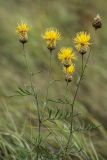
pixel 66 56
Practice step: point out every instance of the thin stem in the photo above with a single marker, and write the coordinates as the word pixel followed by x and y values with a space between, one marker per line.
pixel 34 93
pixel 28 71
pixel 72 109
pixel 66 89
pixel 49 77
pixel 75 95
pixel 82 61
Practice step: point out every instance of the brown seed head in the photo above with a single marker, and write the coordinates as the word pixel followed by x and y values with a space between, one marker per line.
pixel 97 22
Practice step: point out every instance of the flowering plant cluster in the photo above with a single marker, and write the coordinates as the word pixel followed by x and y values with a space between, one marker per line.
pixel 66 56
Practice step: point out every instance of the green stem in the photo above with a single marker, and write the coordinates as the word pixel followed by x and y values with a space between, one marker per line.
pixel 66 89
pixel 49 77
pixel 75 95
pixel 34 93
pixel 82 65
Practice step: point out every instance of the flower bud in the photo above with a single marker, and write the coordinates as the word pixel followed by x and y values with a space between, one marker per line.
pixel 51 45
pixel 68 78
pixel 51 48
pixel 23 38
pixel 83 50
pixel 97 22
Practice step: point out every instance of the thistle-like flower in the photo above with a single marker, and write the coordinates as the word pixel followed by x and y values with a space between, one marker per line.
pixel 51 35
pixel 22 30
pixel 69 71
pixel 81 41
pixel 65 56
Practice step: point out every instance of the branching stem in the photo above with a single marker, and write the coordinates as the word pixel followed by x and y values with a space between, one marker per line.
pixel 34 94
pixel 76 92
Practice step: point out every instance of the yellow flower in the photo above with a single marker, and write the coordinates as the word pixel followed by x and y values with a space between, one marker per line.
pixel 51 35
pixel 22 30
pixel 69 70
pixel 66 55
pixel 82 40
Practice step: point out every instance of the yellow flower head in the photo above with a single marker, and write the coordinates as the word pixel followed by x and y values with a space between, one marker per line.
pixel 66 55
pixel 69 70
pixel 82 40
pixel 22 28
pixel 51 35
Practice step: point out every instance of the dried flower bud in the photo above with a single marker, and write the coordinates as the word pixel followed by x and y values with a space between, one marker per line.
pixel 68 78
pixel 97 22
pixel 83 50
pixel 23 38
